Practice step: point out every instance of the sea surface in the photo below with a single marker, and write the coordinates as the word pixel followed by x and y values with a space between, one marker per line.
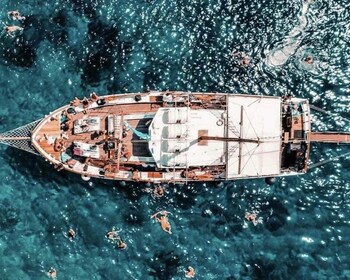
pixel 70 48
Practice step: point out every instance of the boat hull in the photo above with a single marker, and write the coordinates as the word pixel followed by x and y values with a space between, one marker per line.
pixel 175 137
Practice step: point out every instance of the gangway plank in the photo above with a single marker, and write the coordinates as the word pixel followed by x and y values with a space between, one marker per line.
pixel 330 137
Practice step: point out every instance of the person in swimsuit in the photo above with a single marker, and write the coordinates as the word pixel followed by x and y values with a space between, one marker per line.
pixel 52 273
pixel 309 59
pixel 162 218
pixel 190 273
pixel 241 57
pixel 252 217
pixel 113 235
pixel 71 234
pixel 121 245
pixel 158 191
pixel 11 30
pixel 15 15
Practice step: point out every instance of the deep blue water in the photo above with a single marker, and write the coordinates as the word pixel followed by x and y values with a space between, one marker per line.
pixel 70 47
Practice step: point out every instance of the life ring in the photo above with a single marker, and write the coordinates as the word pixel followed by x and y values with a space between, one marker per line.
pixel 85 178
pixel 220 122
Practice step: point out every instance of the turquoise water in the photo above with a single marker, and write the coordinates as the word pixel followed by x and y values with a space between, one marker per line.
pixel 69 48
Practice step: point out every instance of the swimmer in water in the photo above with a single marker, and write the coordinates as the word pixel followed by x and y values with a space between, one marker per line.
pixel 158 191
pixel 121 244
pixel 113 235
pixel 190 272
pixel 251 217
pixel 309 59
pixel 15 15
pixel 71 234
pixel 244 59
pixel 52 273
pixel 162 218
pixel 12 30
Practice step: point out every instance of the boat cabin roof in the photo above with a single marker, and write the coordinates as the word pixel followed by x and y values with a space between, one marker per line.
pixel 174 136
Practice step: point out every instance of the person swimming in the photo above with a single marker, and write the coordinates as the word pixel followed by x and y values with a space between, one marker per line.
pixel 113 235
pixel 308 59
pixel 71 234
pixel 242 57
pixel 15 15
pixel 52 273
pixel 121 245
pixel 190 272
pixel 158 191
pixel 162 218
pixel 253 217
pixel 12 30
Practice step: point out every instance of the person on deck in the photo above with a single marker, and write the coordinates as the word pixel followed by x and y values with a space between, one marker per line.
pixel 93 96
pixel 136 175
pixel 76 102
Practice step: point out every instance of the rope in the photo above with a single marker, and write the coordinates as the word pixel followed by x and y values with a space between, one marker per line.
pixel 327 113
pixel 327 160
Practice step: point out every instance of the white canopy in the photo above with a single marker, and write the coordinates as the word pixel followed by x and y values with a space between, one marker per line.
pixel 258 119
pixel 169 137
pixel 246 137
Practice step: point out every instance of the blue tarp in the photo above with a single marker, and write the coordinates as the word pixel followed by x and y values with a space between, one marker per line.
pixel 140 134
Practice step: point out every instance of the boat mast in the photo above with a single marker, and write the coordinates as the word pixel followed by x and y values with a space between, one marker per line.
pixel 230 139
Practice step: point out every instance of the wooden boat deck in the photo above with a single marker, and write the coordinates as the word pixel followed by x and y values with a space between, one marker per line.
pixel 46 136
pixel 131 143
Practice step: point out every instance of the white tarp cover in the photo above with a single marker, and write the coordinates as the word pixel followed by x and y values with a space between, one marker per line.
pixel 254 117
pixel 185 137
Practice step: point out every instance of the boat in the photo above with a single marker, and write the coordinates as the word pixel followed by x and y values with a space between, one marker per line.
pixel 176 137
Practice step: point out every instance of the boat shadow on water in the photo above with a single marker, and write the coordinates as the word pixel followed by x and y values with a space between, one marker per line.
pixel 35 168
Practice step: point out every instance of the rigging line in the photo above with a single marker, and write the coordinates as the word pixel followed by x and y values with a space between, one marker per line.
pixel 250 156
pixel 257 100
pixel 327 160
pixel 218 112
pixel 235 161
pixel 256 134
pixel 327 113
